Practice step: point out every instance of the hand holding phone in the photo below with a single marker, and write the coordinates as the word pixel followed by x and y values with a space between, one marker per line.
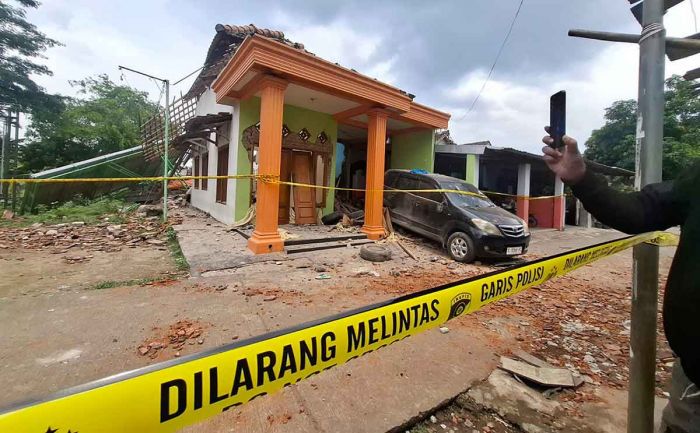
pixel 557 118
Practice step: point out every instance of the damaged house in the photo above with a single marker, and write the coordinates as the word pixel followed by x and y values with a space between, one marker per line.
pixel 265 105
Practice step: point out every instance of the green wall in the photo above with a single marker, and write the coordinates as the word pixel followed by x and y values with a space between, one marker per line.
pixel 413 150
pixel 472 162
pixel 296 118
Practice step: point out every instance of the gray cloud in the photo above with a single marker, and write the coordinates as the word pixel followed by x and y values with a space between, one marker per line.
pixel 439 50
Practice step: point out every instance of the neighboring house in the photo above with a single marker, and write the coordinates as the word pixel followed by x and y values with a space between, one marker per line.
pixel 518 178
pixel 266 106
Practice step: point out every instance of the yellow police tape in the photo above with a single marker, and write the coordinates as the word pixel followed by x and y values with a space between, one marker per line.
pixel 263 178
pixel 167 396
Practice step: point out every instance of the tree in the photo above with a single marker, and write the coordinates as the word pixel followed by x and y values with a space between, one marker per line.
pixel 104 119
pixel 20 44
pixel 614 143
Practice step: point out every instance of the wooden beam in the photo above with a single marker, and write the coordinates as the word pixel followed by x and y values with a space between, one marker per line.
pixel 352 112
pixel 355 123
pixel 249 89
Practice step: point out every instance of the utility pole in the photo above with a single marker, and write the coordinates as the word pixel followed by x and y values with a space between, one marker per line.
pixel 645 279
pixel 166 136
pixel 653 45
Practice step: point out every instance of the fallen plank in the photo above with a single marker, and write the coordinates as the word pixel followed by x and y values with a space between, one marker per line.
pixel 543 376
pixel 406 250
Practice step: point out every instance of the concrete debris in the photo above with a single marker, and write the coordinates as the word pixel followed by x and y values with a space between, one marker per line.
pixel 363 271
pixel 270 298
pixel 150 210
pixel 77 259
pixel 444 329
pixel 547 376
pixel 433 419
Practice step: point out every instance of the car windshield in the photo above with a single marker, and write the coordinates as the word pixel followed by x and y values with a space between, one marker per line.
pixel 468 200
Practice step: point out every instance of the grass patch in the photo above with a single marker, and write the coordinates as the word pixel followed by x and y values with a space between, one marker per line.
pixel 175 251
pixel 87 211
pixel 125 283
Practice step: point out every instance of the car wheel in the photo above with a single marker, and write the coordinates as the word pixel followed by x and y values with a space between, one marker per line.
pixel 461 247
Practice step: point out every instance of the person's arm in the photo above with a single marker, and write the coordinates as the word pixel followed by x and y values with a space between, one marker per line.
pixel 655 207
pixel 652 208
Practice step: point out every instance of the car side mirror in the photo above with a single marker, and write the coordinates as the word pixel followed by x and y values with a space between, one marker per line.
pixel 441 207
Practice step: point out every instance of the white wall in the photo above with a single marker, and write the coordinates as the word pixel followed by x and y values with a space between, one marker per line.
pixel 206 200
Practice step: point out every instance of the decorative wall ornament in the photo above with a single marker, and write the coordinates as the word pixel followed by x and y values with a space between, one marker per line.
pixel 257 126
pixel 322 137
pixel 304 134
pixel 285 130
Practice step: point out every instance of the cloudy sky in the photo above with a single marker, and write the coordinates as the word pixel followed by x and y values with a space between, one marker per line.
pixel 440 51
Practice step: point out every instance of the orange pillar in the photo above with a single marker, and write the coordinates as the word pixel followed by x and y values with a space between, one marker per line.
pixel 374 197
pixel 266 238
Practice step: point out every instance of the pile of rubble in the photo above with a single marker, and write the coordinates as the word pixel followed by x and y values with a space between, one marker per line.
pixel 180 333
pixel 586 329
pixel 104 236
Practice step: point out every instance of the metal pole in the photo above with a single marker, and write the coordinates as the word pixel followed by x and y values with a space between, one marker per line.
pixel 684 43
pixel 166 142
pixel 645 282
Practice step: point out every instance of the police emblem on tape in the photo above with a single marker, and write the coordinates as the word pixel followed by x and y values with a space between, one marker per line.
pixel 459 305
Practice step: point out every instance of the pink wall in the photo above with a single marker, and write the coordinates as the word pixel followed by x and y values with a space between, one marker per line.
pixel 548 212
pixel 543 210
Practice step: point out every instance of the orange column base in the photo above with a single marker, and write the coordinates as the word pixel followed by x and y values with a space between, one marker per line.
pixel 262 243
pixel 373 232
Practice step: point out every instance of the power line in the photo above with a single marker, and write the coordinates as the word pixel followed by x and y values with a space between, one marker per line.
pixel 498 56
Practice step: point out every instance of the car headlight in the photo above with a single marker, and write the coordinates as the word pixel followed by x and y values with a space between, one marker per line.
pixel 486 227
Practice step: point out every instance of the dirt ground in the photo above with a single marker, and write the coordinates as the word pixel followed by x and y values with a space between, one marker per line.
pixel 71 316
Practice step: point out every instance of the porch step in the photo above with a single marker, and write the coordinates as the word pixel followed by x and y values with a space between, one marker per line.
pixel 329 244
pixel 325 239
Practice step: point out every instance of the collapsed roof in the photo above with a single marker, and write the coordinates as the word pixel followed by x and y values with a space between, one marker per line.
pixel 224 45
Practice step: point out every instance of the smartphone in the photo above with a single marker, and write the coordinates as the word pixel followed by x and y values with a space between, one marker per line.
pixel 557 118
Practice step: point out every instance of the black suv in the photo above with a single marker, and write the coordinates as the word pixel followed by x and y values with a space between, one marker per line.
pixel 468 226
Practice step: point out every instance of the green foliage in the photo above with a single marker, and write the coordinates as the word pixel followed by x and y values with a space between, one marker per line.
pixel 79 210
pixel 20 44
pixel 176 252
pixel 106 118
pixel 110 284
pixel 614 143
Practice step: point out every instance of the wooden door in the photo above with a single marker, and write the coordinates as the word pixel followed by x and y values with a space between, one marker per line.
pixel 304 198
pixel 285 176
pixel 222 170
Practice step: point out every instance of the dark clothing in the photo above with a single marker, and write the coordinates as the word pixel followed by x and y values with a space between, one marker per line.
pixel 658 207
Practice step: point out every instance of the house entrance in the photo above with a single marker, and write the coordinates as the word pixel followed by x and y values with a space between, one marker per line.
pixel 303 160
